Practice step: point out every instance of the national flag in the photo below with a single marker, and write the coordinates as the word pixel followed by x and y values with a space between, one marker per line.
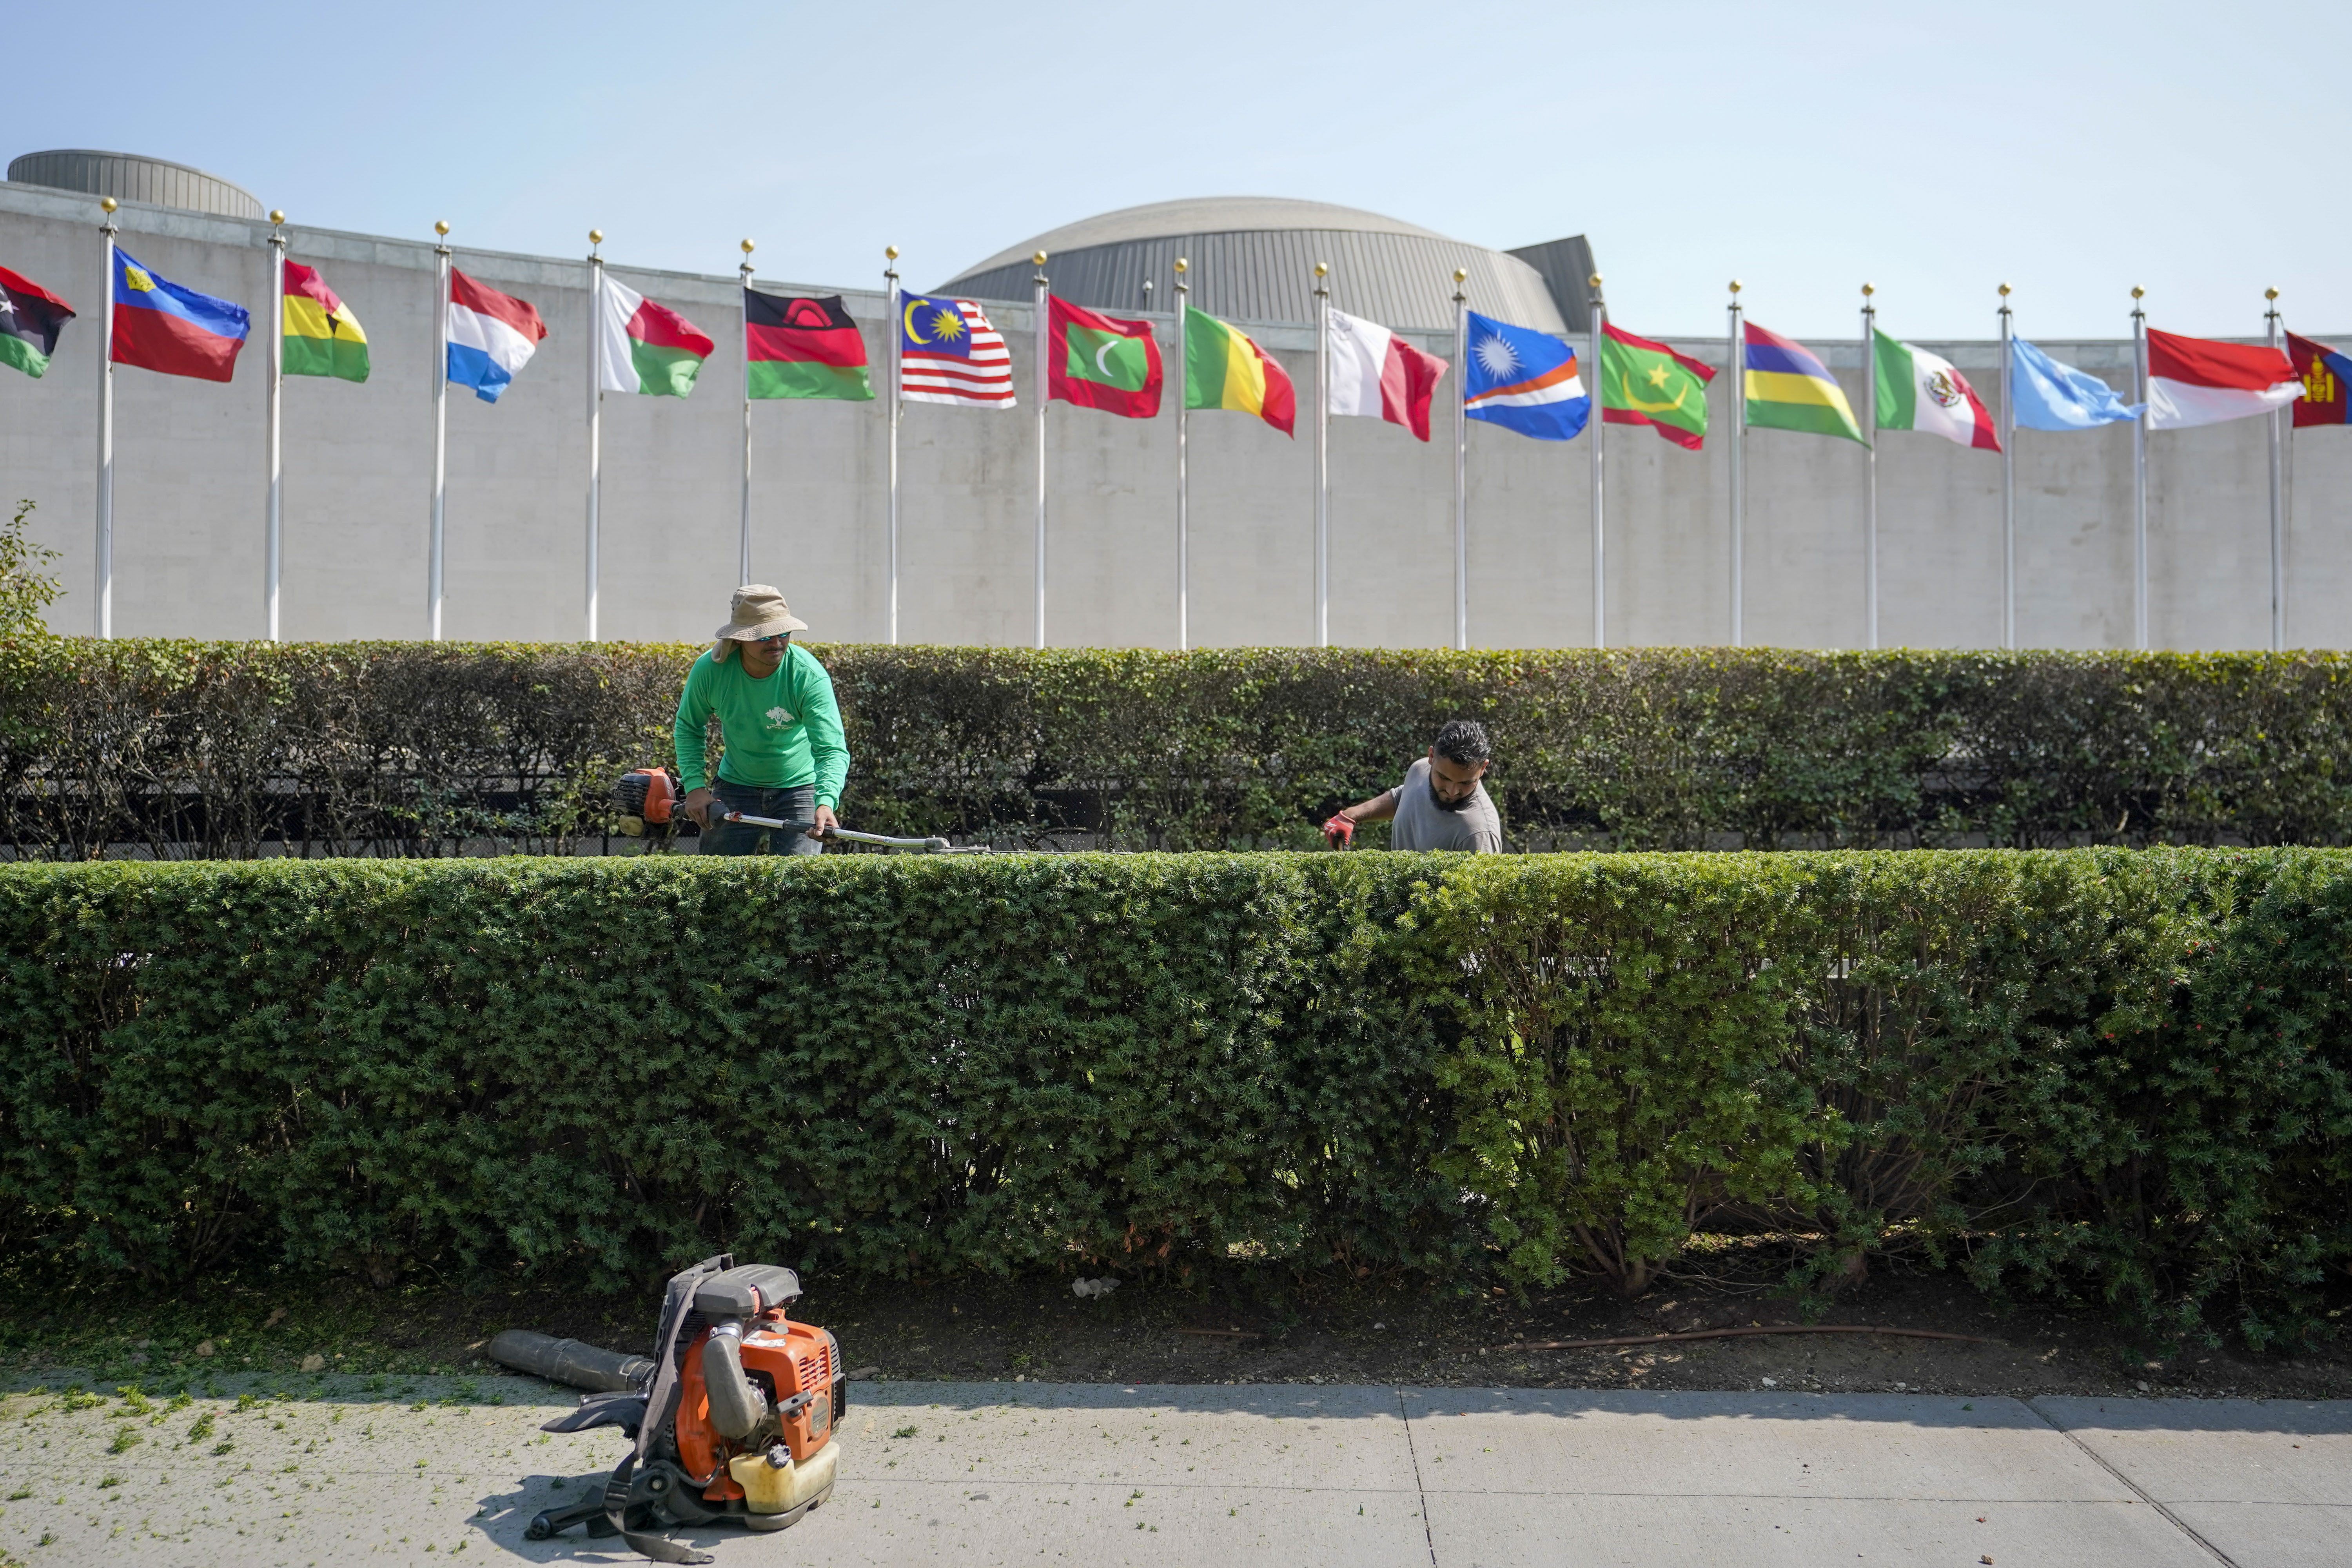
pixel 2196 381
pixel 1789 389
pixel 805 348
pixel 1919 391
pixel 160 326
pixel 1377 375
pixel 2325 375
pixel 649 348
pixel 1644 383
pixel 949 354
pixel 491 336
pixel 322 336
pixel 30 319
pixel 2046 395
pixel 1225 368
pixel 1524 380
pixel 1100 362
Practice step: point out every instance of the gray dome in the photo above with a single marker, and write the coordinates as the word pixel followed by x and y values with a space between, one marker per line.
pixel 1252 258
pixel 127 177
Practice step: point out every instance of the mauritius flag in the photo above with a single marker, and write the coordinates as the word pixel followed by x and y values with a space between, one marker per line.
pixel 160 326
pixel 649 348
pixel 322 336
pixel 30 319
pixel 1224 369
pixel 1789 388
pixel 805 348
pixel 1101 361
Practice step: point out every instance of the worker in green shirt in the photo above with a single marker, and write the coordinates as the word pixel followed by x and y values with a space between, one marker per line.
pixel 782 729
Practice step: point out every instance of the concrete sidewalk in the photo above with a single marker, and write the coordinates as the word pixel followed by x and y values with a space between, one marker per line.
pixel 966 1474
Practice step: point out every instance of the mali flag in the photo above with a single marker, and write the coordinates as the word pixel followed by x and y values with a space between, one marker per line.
pixel 1101 361
pixel 1224 369
pixel 322 336
pixel 1645 383
pixel 30 319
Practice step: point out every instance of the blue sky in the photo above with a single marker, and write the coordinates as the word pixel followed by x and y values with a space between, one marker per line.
pixel 2070 149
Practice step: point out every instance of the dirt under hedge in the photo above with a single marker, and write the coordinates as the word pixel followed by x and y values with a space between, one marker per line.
pixel 2121 1076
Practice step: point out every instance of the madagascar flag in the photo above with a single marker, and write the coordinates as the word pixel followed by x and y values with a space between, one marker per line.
pixel 1101 361
pixel 160 326
pixel 322 336
pixel 30 319
pixel 804 348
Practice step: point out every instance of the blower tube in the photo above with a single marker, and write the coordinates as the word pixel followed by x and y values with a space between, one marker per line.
pixel 735 1405
pixel 569 1361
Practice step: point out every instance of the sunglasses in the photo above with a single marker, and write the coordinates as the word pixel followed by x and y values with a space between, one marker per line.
pixel 779 641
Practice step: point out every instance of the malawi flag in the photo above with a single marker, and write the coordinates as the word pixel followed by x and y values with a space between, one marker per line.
pixel 1645 383
pixel 2326 375
pixel 649 348
pixel 804 348
pixel 30 319
pixel 1101 361
pixel 160 326
pixel 1224 369
pixel 322 336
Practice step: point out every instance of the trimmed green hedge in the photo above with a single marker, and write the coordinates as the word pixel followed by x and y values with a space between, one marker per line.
pixel 2124 1073
pixel 416 749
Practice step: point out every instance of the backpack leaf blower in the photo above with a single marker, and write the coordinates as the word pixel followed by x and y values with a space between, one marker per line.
pixel 733 1415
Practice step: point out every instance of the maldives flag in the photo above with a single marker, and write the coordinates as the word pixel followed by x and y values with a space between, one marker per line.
pixel 1101 361
pixel 2196 381
pixel 649 348
pixel 1378 375
pixel 2326 375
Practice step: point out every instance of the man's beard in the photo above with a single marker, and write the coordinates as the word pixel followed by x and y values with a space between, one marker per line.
pixel 1455 805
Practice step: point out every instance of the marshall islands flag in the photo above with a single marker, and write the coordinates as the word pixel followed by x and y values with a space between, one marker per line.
pixel 1789 389
pixel 1524 380
pixel 160 326
pixel 491 336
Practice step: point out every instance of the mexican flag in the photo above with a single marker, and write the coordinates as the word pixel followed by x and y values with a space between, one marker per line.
pixel 1644 383
pixel 1100 362
pixel 649 348
pixel 1224 369
pixel 1917 391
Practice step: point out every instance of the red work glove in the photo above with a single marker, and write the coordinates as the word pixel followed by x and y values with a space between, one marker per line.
pixel 1339 832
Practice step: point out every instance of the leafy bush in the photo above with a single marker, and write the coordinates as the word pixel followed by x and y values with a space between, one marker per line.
pixel 217 750
pixel 2126 1073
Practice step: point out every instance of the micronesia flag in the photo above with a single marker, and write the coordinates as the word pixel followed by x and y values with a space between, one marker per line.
pixel 2047 395
pixel 491 336
pixel 1523 380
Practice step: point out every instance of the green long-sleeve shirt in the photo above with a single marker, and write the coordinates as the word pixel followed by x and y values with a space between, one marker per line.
pixel 780 733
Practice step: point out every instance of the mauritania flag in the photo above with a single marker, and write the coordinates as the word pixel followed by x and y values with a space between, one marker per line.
pixel 1524 380
pixel 1645 383
pixel 322 336
pixel 1919 391
pixel 949 354
pixel 649 348
pixel 30 319
pixel 805 348
pixel 1789 389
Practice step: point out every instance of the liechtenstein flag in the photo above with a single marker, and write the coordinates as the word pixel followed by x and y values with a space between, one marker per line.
pixel 491 336
pixel 160 326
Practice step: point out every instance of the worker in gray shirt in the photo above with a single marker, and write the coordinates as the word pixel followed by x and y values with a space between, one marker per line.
pixel 1441 805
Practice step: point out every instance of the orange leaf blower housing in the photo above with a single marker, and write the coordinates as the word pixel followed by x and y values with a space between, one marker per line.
pixel 790 1359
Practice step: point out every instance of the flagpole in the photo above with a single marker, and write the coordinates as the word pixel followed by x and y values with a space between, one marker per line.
pixel 595 409
pixel 744 526
pixel 1460 464
pixel 1043 286
pixel 1183 485
pixel 1322 456
pixel 1597 312
pixel 274 534
pixel 2278 498
pixel 2008 485
pixel 2139 472
pixel 1735 361
pixel 897 338
pixel 1870 466
pixel 440 433
pixel 102 604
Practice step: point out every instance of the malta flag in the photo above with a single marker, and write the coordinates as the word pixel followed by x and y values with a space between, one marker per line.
pixel 1378 375
pixel 2195 381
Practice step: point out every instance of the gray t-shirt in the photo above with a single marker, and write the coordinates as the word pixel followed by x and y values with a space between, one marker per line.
pixel 1422 824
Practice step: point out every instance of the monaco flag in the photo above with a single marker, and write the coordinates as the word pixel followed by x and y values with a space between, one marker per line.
pixel 1378 374
pixel 2196 381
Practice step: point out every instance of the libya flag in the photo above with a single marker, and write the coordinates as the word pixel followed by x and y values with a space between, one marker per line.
pixel 1101 361
pixel 804 348
pixel 1644 383
pixel 30 319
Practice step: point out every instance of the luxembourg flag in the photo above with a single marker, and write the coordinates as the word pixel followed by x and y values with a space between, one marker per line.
pixel 491 336
pixel 2195 381
pixel 1524 380
pixel 1378 375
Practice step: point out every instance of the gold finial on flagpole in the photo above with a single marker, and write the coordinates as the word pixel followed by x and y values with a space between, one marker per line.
pixel 106 204
pixel 441 228
pixel 2137 290
pixel 1594 281
pixel 595 236
pixel 278 215
pixel 1734 288
pixel 1039 259
pixel 2270 293
pixel 1182 264
pixel 1868 289
pixel 890 253
pixel 1461 275
pixel 2004 291
pixel 1321 268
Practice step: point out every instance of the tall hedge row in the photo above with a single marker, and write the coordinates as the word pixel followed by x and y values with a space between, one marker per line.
pixel 230 749
pixel 2128 1074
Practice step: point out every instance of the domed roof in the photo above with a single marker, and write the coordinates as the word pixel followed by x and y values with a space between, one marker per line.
pixel 1201 214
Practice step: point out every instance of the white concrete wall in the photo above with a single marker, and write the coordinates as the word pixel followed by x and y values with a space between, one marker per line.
pixel 189 497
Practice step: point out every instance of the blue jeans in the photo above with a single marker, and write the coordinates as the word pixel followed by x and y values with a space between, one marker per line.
pixel 740 839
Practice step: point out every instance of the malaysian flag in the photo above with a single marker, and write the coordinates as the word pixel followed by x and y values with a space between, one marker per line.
pixel 949 354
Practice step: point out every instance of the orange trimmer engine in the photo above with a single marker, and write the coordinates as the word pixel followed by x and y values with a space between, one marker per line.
pixel 648 801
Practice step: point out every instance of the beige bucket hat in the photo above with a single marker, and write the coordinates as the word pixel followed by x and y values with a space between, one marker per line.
pixel 758 611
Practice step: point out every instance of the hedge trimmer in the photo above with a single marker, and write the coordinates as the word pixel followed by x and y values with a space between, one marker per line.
pixel 649 801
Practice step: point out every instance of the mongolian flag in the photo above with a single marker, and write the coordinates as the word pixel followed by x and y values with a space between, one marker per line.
pixel 30 319
pixel 2326 375
pixel 161 326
